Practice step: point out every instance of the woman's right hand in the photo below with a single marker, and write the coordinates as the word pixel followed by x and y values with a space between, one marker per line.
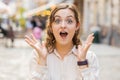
pixel 39 47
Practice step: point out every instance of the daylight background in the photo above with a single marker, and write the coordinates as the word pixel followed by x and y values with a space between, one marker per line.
pixel 22 17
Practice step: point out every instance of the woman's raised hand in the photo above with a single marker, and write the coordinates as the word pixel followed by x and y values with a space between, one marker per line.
pixel 82 50
pixel 39 47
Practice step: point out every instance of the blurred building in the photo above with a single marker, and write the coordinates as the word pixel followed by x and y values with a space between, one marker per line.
pixel 105 14
pixel 101 13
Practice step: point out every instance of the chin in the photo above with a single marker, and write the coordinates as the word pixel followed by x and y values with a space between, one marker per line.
pixel 64 42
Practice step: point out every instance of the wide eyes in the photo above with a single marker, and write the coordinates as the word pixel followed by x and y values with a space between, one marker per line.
pixel 69 21
pixel 59 21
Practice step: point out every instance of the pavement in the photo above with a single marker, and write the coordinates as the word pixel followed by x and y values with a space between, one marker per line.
pixel 109 58
pixel 14 62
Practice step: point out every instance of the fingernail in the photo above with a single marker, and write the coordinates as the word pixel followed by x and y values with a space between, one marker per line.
pixel 92 33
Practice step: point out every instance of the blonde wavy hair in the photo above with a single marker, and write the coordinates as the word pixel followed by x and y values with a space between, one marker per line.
pixel 50 39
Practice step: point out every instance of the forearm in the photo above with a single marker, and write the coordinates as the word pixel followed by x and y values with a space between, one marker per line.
pixel 89 72
pixel 40 60
pixel 39 74
pixel 38 67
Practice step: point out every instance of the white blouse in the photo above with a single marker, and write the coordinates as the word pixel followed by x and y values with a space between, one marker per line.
pixel 67 69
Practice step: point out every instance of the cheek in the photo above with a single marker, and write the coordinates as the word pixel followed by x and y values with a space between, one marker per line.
pixel 55 31
pixel 72 31
pixel 73 28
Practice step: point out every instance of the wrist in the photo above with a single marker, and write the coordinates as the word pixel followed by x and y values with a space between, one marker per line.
pixel 81 59
pixel 83 62
pixel 83 67
pixel 42 61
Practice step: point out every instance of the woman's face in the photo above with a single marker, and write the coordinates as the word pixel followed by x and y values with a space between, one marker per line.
pixel 64 26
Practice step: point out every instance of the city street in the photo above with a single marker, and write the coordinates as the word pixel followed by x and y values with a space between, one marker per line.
pixel 21 17
pixel 14 62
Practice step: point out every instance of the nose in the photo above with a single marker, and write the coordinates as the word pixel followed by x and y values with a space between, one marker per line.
pixel 63 25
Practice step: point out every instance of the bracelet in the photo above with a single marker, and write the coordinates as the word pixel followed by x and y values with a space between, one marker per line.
pixel 81 63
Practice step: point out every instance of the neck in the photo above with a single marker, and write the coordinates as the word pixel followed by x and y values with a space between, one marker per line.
pixel 63 50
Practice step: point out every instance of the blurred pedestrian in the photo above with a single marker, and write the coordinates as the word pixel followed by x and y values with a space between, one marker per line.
pixel 10 35
pixel 105 34
pixel 96 30
pixel 3 31
pixel 37 32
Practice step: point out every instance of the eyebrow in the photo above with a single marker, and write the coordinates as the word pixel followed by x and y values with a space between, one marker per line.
pixel 67 16
pixel 56 16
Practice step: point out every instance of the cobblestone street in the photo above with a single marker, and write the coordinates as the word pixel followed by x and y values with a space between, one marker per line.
pixel 14 61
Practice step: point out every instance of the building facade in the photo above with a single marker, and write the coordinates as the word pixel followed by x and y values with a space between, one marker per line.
pixel 103 13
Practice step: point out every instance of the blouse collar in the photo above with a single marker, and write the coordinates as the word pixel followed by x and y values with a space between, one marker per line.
pixel 73 51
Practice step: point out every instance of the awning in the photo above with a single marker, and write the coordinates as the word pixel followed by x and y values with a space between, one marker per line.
pixel 44 7
pixel 4 8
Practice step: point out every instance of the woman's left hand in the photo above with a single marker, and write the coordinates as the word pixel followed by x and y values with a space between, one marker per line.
pixel 82 50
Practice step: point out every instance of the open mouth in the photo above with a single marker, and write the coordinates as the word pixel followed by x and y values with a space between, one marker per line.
pixel 63 34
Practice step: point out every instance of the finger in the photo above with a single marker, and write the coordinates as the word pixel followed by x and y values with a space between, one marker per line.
pixel 33 37
pixel 91 35
pixel 87 45
pixel 90 38
pixel 43 43
pixel 29 39
pixel 89 42
pixel 44 48
pixel 31 44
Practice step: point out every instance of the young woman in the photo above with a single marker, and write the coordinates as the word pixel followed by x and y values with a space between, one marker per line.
pixel 62 56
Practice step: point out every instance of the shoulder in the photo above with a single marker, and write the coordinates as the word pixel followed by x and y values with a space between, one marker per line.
pixel 50 55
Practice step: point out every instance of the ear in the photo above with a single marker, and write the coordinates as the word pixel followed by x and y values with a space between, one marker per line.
pixel 77 26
